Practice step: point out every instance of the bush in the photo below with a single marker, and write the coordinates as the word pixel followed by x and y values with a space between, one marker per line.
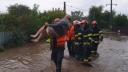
pixel 23 21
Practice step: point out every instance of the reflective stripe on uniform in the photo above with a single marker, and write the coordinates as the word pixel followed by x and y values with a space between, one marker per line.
pixel 79 38
pixel 100 31
pixel 85 35
pixel 79 33
pixel 93 51
pixel 86 43
pixel 96 41
pixel 89 34
pixel 76 43
pixel 96 34
pixel 48 40
pixel 76 35
pixel 101 34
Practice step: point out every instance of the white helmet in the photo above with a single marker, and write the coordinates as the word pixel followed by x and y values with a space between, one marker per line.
pixel 76 22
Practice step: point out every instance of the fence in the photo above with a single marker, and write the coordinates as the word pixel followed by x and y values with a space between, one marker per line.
pixel 5 38
pixel 123 30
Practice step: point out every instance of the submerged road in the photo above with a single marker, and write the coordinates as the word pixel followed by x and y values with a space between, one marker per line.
pixel 35 57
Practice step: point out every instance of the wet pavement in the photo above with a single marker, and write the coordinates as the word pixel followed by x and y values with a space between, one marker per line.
pixel 35 57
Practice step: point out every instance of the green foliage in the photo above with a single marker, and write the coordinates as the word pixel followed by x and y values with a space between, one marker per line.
pixel 19 10
pixel 8 22
pixel 23 21
pixel 103 18
pixel 120 21
pixel 49 16
pixel 95 12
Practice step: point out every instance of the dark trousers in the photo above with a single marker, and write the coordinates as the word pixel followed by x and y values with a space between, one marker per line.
pixel 94 47
pixel 57 56
pixel 70 48
pixel 79 52
pixel 86 51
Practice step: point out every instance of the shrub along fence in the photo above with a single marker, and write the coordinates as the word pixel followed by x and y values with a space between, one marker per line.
pixel 123 30
pixel 21 21
pixel 5 38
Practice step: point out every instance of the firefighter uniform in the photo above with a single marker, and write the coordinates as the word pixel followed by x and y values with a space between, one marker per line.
pixel 86 44
pixel 97 35
pixel 78 42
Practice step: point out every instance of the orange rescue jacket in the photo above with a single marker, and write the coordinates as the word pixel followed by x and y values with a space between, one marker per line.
pixel 71 33
pixel 61 40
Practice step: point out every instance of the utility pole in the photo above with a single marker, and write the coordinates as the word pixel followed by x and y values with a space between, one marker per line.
pixel 65 8
pixel 111 15
pixel 111 18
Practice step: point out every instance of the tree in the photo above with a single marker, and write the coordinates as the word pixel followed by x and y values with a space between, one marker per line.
pixel 120 21
pixel 102 17
pixel 35 9
pixel 105 19
pixel 50 15
pixel 95 13
pixel 19 10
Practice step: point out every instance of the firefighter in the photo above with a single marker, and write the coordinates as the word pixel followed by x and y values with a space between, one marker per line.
pixel 78 41
pixel 97 36
pixel 86 41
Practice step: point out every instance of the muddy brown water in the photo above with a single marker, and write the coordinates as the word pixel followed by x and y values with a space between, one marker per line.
pixel 35 57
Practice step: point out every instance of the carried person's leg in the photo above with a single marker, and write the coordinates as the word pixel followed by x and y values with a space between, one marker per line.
pixel 38 32
pixel 38 38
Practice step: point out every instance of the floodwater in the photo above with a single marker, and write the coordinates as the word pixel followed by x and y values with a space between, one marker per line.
pixel 35 57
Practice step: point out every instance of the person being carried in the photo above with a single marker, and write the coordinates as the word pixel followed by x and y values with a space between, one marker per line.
pixel 41 32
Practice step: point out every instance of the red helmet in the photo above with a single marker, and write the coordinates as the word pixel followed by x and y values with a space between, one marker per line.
pixel 94 22
pixel 76 22
pixel 84 22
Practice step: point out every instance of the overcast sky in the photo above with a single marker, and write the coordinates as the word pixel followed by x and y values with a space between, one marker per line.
pixel 72 5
